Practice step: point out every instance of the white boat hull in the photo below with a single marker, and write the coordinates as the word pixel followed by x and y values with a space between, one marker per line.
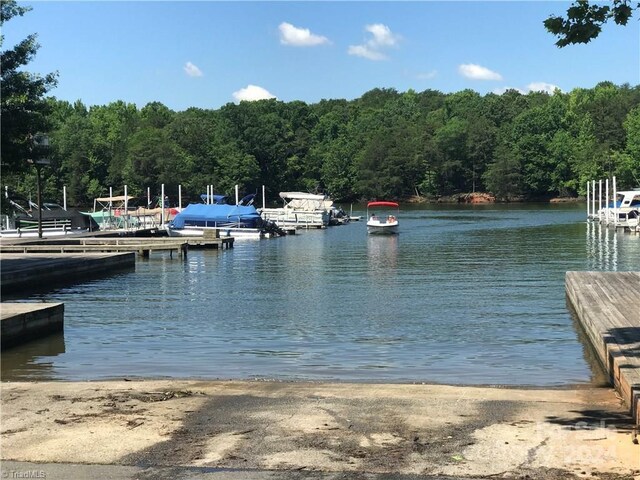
pixel 382 228
pixel 286 217
pixel 239 233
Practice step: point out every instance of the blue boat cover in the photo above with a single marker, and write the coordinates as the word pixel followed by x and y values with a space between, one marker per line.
pixel 198 214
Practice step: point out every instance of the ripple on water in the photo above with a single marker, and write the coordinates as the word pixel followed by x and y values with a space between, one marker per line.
pixel 461 295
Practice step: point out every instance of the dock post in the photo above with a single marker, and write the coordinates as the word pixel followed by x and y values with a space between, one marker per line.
pixel 593 199
pixel 600 200
pixel 606 201
pixel 615 204
pixel 588 203
pixel 162 215
pixel 126 209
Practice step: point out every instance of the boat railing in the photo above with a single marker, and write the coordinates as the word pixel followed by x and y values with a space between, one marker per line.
pixel 30 225
pixel 133 218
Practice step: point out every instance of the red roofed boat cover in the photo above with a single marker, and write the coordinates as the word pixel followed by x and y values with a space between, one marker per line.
pixel 382 204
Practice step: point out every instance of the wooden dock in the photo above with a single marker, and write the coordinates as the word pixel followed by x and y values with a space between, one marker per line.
pixel 143 246
pixel 22 273
pixel 607 305
pixel 23 322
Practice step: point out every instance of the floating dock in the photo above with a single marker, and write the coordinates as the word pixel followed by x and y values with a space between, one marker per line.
pixel 21 273
pixel 607 305
pixel 23 322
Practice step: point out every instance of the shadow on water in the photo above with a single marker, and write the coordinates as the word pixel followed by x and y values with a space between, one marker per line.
pixel 599 375
pixel 34 359
pixel 53 286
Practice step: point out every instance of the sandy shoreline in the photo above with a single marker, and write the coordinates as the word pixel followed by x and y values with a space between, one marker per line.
pixel 322 427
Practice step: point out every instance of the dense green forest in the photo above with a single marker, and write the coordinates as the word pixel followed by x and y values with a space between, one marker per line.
pixel 385 144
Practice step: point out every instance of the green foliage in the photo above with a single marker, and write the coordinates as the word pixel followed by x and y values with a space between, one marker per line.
pixel 24 109
pixel 584 20
pixel 384 145
pixel 504 175
pixel 630 164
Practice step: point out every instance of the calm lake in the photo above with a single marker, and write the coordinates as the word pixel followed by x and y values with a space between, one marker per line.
pixel 463 295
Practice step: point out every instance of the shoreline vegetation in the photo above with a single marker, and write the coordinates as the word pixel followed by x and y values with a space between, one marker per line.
pixel 412 146
pixel 480 198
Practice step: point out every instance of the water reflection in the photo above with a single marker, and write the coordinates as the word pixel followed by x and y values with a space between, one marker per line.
pixel 611 250
pixel 599 376
pixel 382 253
pixel 34 359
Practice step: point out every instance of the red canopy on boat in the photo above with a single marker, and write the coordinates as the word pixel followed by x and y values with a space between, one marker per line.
pixel 382 204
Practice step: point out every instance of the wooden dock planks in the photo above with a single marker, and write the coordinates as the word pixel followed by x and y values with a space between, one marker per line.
pixel 143 246
pixel 607 305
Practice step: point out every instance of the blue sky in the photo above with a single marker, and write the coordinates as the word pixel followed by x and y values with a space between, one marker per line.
pixel 205 54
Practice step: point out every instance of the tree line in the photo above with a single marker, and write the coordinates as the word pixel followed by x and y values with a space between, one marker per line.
pixel 385 144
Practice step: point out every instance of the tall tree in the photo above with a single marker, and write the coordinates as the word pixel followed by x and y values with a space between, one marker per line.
pixel 23 107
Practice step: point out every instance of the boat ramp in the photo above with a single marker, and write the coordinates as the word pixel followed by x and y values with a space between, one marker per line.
pixel 607 305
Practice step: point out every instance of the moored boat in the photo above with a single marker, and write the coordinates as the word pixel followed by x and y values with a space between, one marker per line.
pixel 238 221
pixel 300 210
pixel 25 221
pixel 624 212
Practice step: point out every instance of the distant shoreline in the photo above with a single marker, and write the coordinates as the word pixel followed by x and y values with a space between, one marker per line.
pixel 480 198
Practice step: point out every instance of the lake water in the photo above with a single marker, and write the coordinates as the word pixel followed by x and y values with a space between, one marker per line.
pixel 463 295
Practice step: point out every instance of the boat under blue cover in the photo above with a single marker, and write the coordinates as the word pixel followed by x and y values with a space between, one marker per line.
pixel 202 215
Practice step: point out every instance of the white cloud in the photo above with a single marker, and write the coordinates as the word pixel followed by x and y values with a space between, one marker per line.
pixel 251 93
pixel 381 38
pixel 366 52
pixel 191 70
pixel 478 72
pixel 299 37
pixel 542 87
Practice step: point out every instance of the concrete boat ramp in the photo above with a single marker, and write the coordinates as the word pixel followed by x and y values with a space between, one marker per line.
pixel 159 429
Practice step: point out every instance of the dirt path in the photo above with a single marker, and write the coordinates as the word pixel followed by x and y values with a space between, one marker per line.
pixel 366 428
